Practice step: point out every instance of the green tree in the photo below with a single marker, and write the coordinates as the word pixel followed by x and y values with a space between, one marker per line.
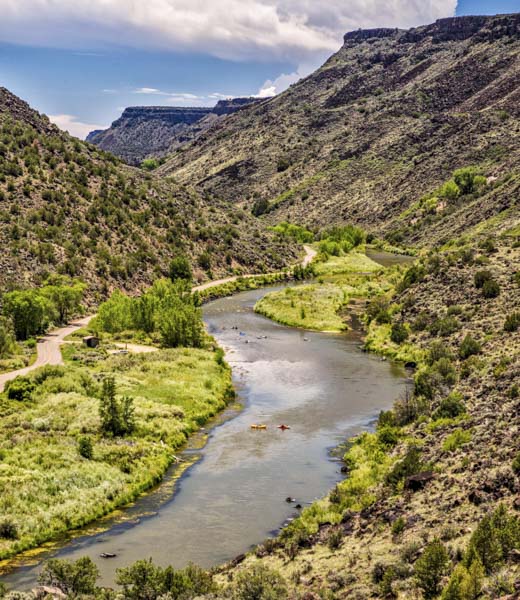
pixel 85 447
pixel 467 179
pixel 29 312
pixel 117 416
pixel 73 578
pixel 66 299
pixel 399 333
pixel 7 339
pixel 141 581
pixel 469 347
pixel 180 268
pixel 431 567
pixel 115 314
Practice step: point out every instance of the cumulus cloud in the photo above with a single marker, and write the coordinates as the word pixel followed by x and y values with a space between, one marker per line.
pixel 232 29
pixel 75 127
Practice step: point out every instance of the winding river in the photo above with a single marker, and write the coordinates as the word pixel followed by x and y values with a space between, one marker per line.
pixel 233 495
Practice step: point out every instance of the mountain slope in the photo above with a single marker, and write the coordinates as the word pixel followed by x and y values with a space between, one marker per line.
pixel 144 131
pixel 66 206
pixel 383 123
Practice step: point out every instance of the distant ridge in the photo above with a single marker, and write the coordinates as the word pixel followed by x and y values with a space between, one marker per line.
pixel 144 131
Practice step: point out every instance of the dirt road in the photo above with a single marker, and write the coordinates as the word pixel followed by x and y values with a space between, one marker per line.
pixel 48 350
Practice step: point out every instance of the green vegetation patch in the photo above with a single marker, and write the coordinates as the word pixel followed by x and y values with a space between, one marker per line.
pixel 48 483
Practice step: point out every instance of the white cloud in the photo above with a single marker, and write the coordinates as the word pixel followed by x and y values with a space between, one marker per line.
pixel 283 81
pixel 235 29
pixel 150 91
pixel 71 124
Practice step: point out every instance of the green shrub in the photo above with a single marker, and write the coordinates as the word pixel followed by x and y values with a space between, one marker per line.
pixel 516 464
pixel 149 164
pixel 465 584
pixel 388 436
pixel 436 351
pixel 259 582
pixel 411 464
pixel 8 529
pixel 469 347
pixel 494 538
pixel 491 289
pixel 468 180
pixel 456 439
pixel 512 322
pixel 20 388
pixel 481 277
pixel 431 567
pixel 85 447
pixel 399 333
pixel 450 407
pixel 180 268
pixel 445 326
pixel 398 526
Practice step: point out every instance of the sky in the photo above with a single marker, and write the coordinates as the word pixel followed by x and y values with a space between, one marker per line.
pixel 83 61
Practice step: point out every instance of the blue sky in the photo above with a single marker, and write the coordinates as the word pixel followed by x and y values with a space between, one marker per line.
pixel 83 63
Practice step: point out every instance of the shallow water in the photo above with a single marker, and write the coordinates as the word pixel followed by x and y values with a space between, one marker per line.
pixel 234 495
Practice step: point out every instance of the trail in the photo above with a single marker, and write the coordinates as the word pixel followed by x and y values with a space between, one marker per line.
pixel 310 253
pixel 48 350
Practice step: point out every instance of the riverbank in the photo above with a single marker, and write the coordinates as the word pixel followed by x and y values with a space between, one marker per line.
pixel 323 305
pixel 50 485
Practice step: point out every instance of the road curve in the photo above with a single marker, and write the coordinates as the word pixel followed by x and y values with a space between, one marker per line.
pixel 310 253
pixel 48 350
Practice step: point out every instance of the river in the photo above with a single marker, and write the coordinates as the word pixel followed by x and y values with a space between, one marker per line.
pixel 234 494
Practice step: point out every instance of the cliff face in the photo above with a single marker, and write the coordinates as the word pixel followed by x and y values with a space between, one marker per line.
pixel 384 122
pixel 144 131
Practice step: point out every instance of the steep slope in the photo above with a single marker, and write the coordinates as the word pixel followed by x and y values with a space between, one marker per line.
pixel 66 206
pixel 152 131
pixel 383 123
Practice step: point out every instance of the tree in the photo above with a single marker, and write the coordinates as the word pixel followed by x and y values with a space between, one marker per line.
pixel 115 315
pixel 431 567
pixel 66 299
pixel 7 340
pixel 72 578
pixel 180 268
pixel 467 179
pixel 85 447
pixel 399 333
pixel 29 312
pixel 117 416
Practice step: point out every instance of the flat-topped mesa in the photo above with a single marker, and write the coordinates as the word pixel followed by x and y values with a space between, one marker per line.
pixel 445 30
pixel 482 28
pixel 361 35
pixel 169 114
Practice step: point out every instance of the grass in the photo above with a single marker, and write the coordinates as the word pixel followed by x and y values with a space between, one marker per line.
pixel 378 340
pixel 317 306
pixel 47 488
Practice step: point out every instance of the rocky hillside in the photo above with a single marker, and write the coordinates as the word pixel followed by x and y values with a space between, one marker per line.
pixel 380 127
pixel 69 207
pixel 144 131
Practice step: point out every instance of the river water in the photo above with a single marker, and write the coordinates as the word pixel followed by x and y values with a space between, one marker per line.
pixel 234 494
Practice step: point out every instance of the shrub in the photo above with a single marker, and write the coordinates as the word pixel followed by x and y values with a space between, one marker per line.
pixel 494 538
pixel 436 351
pixel 415 274
pixel 491 289
pixel 180 268
pixel 283 164
pixel 7 340
pixel 260 207
pixel 149 164
pixel 399 333
pixel 388 436
pixel 72 578
pixel 204 261
pixel 409 465
pixel 468 180
pixel 335 538
pixel 512 322
pixel 456 439
pixel 516 464
pixel 8 529
pixel 20 388
pixel 450 407
pixel 258 582
pixel 398 526
pixel 431 567
pixel 465 584
pixel 85 447
pixel 481 277
pixel 469 347
pixel 445 326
